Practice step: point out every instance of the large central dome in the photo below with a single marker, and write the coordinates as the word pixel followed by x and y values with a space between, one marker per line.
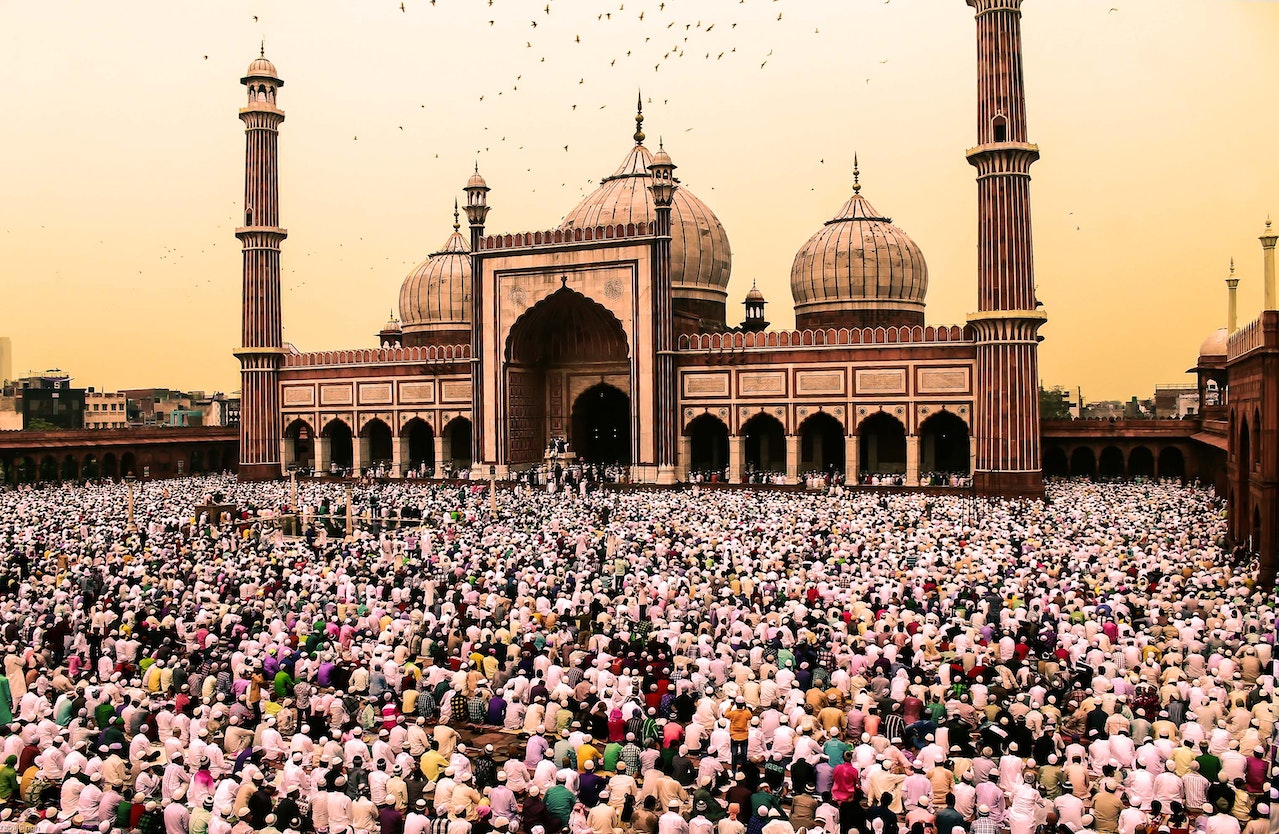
pixel 700 256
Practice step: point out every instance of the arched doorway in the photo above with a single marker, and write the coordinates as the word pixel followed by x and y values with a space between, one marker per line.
pixel 821 444
pixel 375 445
pixel 1172 463
pixel 943 445
pixel 91 468
pixel 1083 462
pixel 457 444
pixel 70 468
pixel 197 462
pixel 109 467
pixel 1056 465
pixel 1243 483
pixel 299 446
pixel 1111 463
pixel 881 442
pixel 128 465
pixel 562 337
pixel 341 451
pixel 1141 463
pixel 602 425
pixel 48 468
pixel 27 470
pixel 765 444
pixel 708 447
pixel 421 441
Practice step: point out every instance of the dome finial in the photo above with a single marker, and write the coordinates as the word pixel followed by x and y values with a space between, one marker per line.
pixel 456 225
pixel 639 117
pixel 262 49
pixel 857 175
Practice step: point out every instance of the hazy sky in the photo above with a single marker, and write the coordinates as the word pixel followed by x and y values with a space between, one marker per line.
pixel 123 157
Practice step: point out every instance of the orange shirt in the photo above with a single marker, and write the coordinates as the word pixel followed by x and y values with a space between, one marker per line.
pixel 739 724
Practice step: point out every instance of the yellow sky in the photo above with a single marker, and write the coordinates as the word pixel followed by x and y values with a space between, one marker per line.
pixel 123 157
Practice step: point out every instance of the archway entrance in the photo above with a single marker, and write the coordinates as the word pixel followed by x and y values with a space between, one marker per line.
pixel 821 444
pixel 1083 462
pixel 1172 463
pixel 109 467
pixel 943 445
pixel 70 468
pixel 708 447
pixel 765 444
pixel 375 445
pixel 555 343
pixel 1141 463
pixel 299 446
pixel 457 442
pixel 602 425
pixel 1243 467
pixel 421 446
pixel 128 464
pixel 91 468
pixel 1111 463
pixel 1055 463
pixel 881 441
pixel 341 452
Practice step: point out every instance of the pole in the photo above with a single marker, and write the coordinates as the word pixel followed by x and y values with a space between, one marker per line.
pixel 348 510
pixel 493 491
pixel 129 483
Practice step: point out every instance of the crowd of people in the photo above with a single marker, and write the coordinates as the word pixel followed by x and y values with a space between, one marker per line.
pixel 629 662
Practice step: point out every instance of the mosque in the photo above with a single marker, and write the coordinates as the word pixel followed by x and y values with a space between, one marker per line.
pixel 610 333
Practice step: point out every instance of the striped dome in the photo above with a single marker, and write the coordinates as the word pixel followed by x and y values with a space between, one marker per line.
pixel 700 256
pixel 859 261
pixel 436 295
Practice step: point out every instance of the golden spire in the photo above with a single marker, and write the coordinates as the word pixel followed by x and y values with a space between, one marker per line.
pixel 457 225
pixel 857 176
pixel 262 49
pixel 639 118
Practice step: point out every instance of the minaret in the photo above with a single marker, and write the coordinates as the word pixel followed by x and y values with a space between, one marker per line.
pixel 665 401
pixel 1232 301
pixel 1006 408
pixel 260 236
pixel 477 210
pixel 1268 239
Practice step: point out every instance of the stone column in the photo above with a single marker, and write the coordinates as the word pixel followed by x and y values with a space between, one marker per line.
pixel 792 458
pixel 685 456
pixel 323 453
pixel 851 448
pixel 912 460
pixel 399 453
pixel 359 453
pixel 736 453
pixel 440 451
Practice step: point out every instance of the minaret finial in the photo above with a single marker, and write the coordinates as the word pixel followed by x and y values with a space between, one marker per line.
pixel 456 225
pixel 477 166
pixel 1232 267
pixel 262 49
pixel 857 175
pixel 639 117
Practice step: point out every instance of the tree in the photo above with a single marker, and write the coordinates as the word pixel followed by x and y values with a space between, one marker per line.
pixel 40 424
pixel 1054 403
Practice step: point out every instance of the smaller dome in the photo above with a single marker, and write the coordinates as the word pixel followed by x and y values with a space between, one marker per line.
pixel 1215 344
pixel 437 293
pixel 661 158
pixel 476 181
pixel 392 324
pixel 754 294
pixel 261 67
